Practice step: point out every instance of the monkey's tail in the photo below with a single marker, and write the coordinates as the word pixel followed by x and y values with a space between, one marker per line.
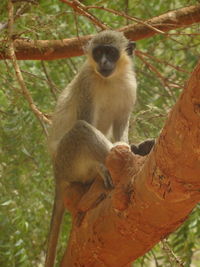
pixel 56 220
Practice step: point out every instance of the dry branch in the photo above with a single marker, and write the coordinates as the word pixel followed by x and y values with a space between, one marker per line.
pixel 152 196
pixel 81 9
pixel 57 49
pixel 39 115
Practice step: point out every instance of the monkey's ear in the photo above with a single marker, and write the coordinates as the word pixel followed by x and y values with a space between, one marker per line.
pixel 130 48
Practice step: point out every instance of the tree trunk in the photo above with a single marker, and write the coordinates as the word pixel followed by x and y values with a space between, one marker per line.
pixel 153 195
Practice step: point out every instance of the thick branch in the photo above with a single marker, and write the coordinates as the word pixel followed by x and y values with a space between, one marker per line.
pixel 175 19
pixel 152 195
pixel 57 49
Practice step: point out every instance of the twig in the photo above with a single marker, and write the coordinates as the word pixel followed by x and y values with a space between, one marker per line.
pixel 4 112
pixel 122 14
pixel 155 259
pixel 81 9
pixel 172 257
pixel 51 84
pixel 126 10
pixel 188 34
pixel 73 65
pixel 160 61
pixel 163 79
pixel 20 11
pixel 40 78
pixel 39 115
pixel 34 2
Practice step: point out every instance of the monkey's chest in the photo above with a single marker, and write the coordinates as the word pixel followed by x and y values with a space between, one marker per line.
pixel 109 106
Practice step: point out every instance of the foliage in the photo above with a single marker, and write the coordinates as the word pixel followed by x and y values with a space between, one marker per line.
pixel 26 175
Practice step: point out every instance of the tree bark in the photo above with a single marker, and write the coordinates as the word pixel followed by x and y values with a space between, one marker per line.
pixel 57 49
pixel 153 195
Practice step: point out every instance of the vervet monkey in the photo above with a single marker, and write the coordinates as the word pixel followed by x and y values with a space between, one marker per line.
pixel 92 113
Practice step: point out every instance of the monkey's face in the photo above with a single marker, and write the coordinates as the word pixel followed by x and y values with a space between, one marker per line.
pixel 106 57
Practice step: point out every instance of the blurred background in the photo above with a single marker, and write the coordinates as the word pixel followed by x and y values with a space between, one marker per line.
pixel 162 63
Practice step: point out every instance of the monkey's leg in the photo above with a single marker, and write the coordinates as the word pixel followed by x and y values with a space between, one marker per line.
pixel 81 155
pixel 56 219
pixel 90 200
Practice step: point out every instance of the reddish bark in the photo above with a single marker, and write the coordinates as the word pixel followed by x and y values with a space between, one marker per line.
pixel 57 49
pixel 153 195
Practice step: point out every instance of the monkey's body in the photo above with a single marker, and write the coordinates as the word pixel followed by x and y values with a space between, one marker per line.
pixel 104 103
pixel 91 113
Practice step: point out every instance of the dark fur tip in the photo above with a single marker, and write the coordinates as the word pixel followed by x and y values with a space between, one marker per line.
pixel 130 48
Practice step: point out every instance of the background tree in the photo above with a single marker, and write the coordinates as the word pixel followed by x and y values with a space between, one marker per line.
pixel 163 64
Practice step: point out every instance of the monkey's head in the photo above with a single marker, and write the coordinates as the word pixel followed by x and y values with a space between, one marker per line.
pixel 107 50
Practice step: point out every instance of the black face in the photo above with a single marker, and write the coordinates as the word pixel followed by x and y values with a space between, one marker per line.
pixel 106 57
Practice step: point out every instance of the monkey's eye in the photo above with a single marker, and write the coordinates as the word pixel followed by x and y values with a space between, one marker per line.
pixel 112 53
pixel 97 53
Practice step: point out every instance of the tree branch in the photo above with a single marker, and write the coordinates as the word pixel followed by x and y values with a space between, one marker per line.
pixel 57 49
pixel 81 9
pixel 39 115
pixel 153 195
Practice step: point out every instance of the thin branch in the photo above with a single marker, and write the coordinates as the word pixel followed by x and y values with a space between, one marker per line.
pixel 126 10
pixel 123 14
pixel 155 259
pixel 40 78
pixel 160 61
pixel 171 255
pixel 162 78
pixel 39 115
pixel 51 84
pixel 81 9
pixel 20 11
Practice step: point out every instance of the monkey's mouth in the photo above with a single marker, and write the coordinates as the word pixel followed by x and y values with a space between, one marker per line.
pixel 105 72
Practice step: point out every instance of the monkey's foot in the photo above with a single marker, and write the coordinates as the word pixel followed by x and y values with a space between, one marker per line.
pixel 143 148
pixel 108 182
pixel 107 179
pixel 81 214
pixel 79 218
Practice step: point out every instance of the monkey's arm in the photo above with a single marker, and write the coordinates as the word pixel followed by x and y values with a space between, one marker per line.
pixel 84 96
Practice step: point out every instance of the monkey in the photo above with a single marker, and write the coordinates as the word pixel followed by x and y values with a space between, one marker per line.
pixel 91 116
